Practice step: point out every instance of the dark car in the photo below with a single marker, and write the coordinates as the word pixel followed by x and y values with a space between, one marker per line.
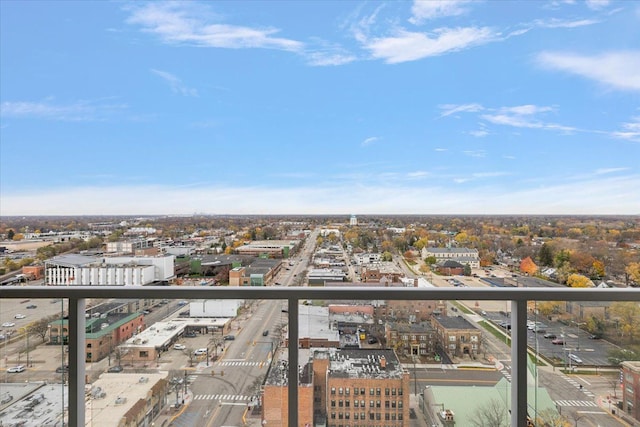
pixel 61 369
pixel 115 369
pixel 372 340
pixel 190 334
pixel 265 333
pixel 550 336
pixel 595 337
pixel 229 337
pixel 32 306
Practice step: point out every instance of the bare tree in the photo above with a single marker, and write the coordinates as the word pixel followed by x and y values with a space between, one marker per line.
pixel 551 418
pixel 493 414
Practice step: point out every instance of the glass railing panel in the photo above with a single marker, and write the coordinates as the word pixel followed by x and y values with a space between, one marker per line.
pixel 34 362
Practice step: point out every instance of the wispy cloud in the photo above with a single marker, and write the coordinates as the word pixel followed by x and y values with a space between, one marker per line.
pixel 175 83
pixel 629 131
pixel 524 116
pixel 475 153
pixel 76 111
pixel 563 23
pixel 184 23
pixel 432 9
pixel 597 4
pixel 440 150
pixel 418 174
pixel 406 46
pixel 370 140
pixel 449 109
pixel 619 70
pixel 605 171
pixel 480 133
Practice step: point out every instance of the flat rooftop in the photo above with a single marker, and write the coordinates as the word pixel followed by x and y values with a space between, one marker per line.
pixel 121 392
pixel 32 404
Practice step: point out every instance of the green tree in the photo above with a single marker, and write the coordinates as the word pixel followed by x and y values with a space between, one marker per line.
pixel 386 256
pixel 10 234
pixel 467 270
pixel 430 260
pixel 628 315
pixel 545 256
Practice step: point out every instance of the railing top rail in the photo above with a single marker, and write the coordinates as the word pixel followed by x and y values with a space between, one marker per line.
pixel 353 293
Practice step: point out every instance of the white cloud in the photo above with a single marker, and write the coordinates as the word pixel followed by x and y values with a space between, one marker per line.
pixel 604 171
pixel 424 10
pixel 604 194
pixel 449 109
pixel 525 109
pixel 328 58
pixel 523 116
pixel 475 153
pixel 440 150
pixel 175 83
pixel 562 23
pixel 630 130
pixel 76 111
pixel 186 23
pixel 410 46
pixel 370 141
pixel 418 174
pixel 481 133
pixel 597 4
pixel 619 70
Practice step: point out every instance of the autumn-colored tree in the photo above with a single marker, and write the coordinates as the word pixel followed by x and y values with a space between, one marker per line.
pixel 628 314
pixel 386 256
pixel 597 269
pixel 18 237
pixel 408 255
pixel 595 325
pixel 581 261
pixel 579 281
pixel 387 246
pixel 424 268
pixel 633 270
pixel 547 308
pixel 528 266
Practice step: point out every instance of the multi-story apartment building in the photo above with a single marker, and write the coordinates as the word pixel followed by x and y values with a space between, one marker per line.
pixel 457 336
pixel 355 387
pixel 631 388
pixel 418 339
pixel 410 311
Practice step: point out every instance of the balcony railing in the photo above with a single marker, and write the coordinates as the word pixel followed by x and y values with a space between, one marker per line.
pixel 77 296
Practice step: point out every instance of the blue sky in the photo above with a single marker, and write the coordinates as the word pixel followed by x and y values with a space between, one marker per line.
pixel 436 107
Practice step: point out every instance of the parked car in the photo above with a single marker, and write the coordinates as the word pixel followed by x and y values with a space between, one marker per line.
pixel 190 334
pixel 558 341
pixel 595 337
pixel 16 369
pixel 575 358
pixel 19 316
pixel 372 340
pixel 115 369
pixel 265 332
pixel 200 351
pixel 229 337
pixel 179 346
pixel 32 306
pixel 550 335
pixel 8 324
pixel 61 369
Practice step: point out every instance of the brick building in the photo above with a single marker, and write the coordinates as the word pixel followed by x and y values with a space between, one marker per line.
pixel 418 339
pixel 337 388
pixel 631 388
pixel 457 336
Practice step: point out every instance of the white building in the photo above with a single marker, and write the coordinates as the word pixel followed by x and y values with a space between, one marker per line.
pixel 367 258
pixel 461 255
pixel 353 220
pixel 73 269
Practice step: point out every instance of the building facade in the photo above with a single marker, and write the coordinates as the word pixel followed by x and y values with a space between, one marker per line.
pixel 457 336
pixel 631 388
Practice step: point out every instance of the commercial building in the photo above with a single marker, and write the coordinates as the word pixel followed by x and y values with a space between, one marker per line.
pixel 417 339
pixel 631 388
pixel 462 255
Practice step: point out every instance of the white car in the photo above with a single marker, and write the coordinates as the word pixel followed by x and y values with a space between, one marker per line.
pixel 179 346
pixel 16 369
pixel 575 358
pixel 20 316
pixel 8 325
pixel 200 351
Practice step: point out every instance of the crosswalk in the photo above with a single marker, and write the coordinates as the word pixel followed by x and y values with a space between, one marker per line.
pixel 222 397
pixel 588 403
pixel 223 363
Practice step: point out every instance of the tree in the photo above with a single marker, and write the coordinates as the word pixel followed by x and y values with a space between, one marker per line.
pixel 595 325
pixel 408 255
pixel 628 314
pixel 10 234
pixel 41 327
pixel 545 256
pixel 467 270
pixel 18 237
pixel 528 266
pixel 578 281
pixel 551 418
pixel 633 270
pixel 547 308
pixel 430 260
pixel 386 256
pixel 493 414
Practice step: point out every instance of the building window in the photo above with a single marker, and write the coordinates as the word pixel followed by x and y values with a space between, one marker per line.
pixel 393 403
pixel 393 392
pixel 340 416
pixel 356 403
pixel 400 416
pixel 340 391
pixel 333 390
pixel 340 403
pixel 144 353
pixel 387 417
pixel 378 416
pixel 362 391
pixel 399 392
pixel 371 392
pixel 400 404
pixel 333 403
pixel 333 415
pixel 371 404
pixel 378 404
pixel 346 391
pixel 386 392
pixel 386 404
pixel 378 392
pixel 452 338
pixel 371 416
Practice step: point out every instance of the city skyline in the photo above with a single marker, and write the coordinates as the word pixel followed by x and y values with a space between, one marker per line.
pixel 453 107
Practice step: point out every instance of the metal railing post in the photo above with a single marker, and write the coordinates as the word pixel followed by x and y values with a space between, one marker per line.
pixel 519 363
pixel 292 384
pixel 77 359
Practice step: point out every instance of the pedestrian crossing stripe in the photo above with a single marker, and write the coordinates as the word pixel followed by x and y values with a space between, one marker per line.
pixel 221 397
pixel 576 403
pixel 239 363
